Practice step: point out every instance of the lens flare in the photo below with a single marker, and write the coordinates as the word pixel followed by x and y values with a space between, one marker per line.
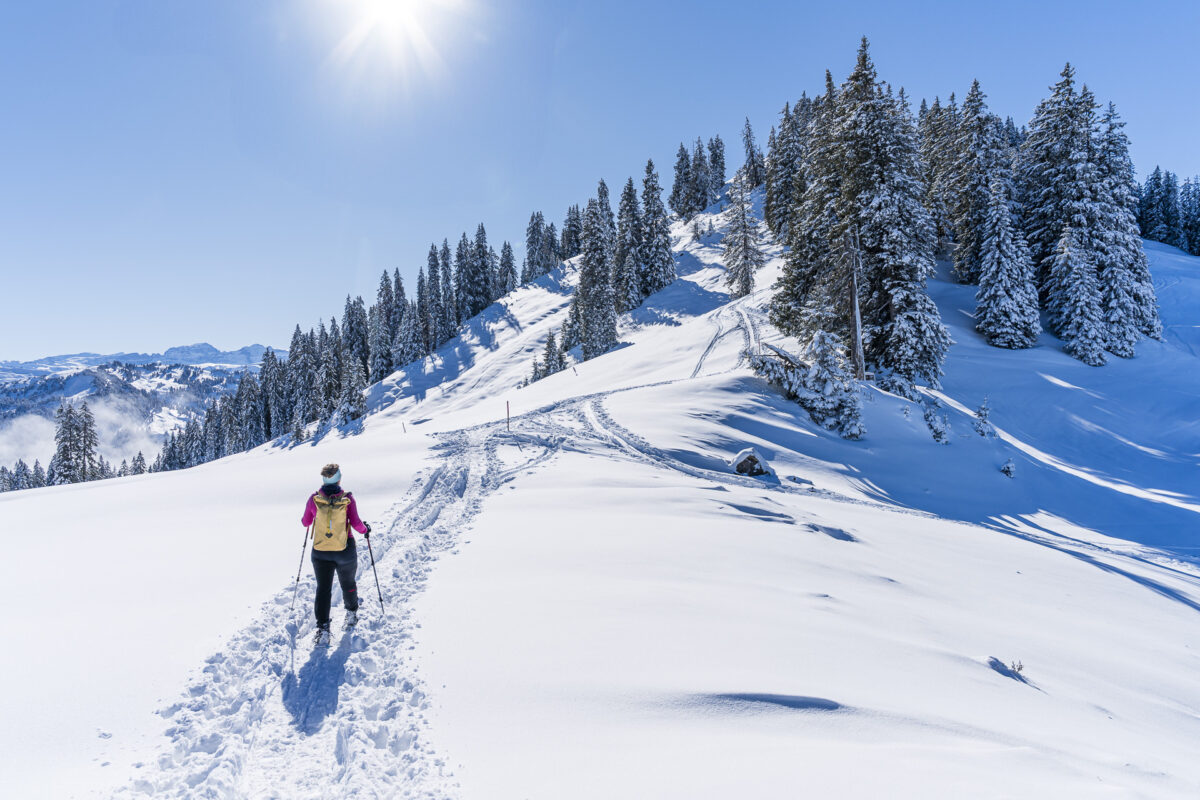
pixel 393 43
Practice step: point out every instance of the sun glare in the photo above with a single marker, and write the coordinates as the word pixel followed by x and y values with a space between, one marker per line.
pixel 393 43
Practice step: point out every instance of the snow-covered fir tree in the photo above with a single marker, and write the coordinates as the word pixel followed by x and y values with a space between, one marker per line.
pixel 553 358
pixel 381 344
pixel 680 199
pixel 450 318
pixel 463 271
pixel 354 386
pixel 571 232
pixel 755 170
pixel 1008 305
pixel 1128 299
pixel 1073 298
pixel 597 315
pixel 862 248
pixel 716 164
pixel 424 318
pixel 743 240
pixel 434 298
pixel 702 192
pixel 627 253
pixel 506 275
pixel 1150 207
pixel 355 334
pixel 1189 209
pixel 981 159
pixel 408 345
pixel 657 262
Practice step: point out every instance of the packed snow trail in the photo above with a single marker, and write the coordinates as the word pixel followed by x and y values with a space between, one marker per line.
pixel 270 716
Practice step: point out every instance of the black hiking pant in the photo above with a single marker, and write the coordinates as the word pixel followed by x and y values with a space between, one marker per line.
pixel 345 564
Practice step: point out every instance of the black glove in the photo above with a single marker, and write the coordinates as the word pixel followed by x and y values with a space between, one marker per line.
pixel 367 535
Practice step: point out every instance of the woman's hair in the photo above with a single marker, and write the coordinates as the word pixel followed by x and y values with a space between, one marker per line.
pixel 329 470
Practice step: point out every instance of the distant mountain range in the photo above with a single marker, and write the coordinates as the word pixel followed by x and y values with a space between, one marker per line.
pixel 191 355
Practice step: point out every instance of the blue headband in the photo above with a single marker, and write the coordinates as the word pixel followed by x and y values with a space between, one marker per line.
pixel 334 478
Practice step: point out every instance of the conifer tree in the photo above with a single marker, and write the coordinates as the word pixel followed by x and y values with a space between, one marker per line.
pixel 301 374
pixel 1074 299
pixel 702 193
pixel 535 231
pixel 607 218
pixel 861 239
pixel 354 386
pixel 597 317
pixel 39 474
pixel 1056 176
pixel 450 318
pixel 548 256
pixel 571 233
pixel 657 261
pixel 1128 299
pixel 981 158
pixel 680 199
pixel 87 444
pixel 477 284
pixel 716 164
pixel 553 359
pixel 935 166
pixel 249 410
pixel 774 207
pixel 139 464
pixel 423 317
pixel 507 274
pixel 1150 209
pixel 627 253
pixel 463 271
pixel 385 298
pixel 785 162
pixel 381 345
pixel 408 346
pixel 399 302
pixel 433 288
pixel 1008 310
pixel 1172 217
pixel 753 167
pixel 743 240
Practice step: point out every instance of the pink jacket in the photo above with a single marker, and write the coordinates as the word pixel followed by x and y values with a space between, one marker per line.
pixel 310 513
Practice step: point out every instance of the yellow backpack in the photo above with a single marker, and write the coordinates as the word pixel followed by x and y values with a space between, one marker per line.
pixel 332 524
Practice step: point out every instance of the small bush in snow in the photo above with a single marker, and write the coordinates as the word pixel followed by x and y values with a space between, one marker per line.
pixel 1017 667
pixel 939 424
pixel 1009 468
pixel 821 384
pixel 983 425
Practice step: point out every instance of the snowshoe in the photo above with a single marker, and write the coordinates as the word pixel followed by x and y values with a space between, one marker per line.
pixel 321 637
pixel 351 619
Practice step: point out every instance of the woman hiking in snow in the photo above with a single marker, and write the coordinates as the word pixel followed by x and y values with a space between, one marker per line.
pixel 332 513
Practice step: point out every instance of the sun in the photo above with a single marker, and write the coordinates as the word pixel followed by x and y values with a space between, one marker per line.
pixel 385 44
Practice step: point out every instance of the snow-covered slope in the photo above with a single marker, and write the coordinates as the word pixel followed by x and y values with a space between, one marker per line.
pixel 587 602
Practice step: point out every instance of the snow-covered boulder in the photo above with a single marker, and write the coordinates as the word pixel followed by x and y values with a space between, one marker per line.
pixel 749 462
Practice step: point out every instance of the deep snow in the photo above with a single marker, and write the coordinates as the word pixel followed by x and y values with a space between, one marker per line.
pixel 592 605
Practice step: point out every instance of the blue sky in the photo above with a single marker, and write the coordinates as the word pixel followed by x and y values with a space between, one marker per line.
pixel 218 170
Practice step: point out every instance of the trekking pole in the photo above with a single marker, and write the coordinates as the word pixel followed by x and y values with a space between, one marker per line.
pixel 300 569
pixel 372 554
